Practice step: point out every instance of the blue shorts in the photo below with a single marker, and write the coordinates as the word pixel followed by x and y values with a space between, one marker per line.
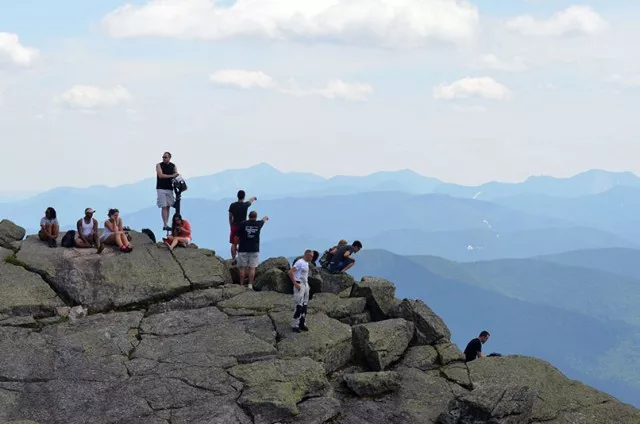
pixel 339 266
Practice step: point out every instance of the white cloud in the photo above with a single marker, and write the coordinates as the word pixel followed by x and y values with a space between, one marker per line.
pixel 334 89
pixel 91 97
pixel 625 80
pixel 493 62
pixel 573 20
pixel 242 79
pixel 386 22
pixel 12 51
pixel 468 108
pixel 484 87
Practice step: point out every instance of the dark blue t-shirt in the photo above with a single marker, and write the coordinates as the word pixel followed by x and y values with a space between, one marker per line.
pixel 249 234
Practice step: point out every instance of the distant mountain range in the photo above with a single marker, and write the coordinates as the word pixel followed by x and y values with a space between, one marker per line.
pixel 581 318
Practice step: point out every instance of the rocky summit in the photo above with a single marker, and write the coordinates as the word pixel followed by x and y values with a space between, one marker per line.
pixel 159 337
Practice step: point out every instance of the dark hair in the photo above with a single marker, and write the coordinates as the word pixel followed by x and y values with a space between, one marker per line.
pixel 253 215
pixel 357 244
pixel 173 221
pixel 241 195
pixel 168 154
pixel 50 213
pixel 485 334
pixel 306 252
pixel 112 211
pixel 316 255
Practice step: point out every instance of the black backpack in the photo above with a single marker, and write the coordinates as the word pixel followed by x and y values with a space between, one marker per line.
pixel 179 184
pixel 68 240
pixel 149 233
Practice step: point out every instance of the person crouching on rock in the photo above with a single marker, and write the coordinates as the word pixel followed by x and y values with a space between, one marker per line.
pixel 328 254
pixel 248 240
pixel 342 259
pixel 87 232
pixel 299 274
pixel 49 227
pixel 180 233
pixel 114 232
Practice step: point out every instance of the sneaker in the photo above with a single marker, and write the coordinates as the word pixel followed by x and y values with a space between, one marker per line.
pixel 129 249
pixel 100 248
pixel 250 286
pixel 296 329
pixel 53 243
pixel 304 328
pixel 123 249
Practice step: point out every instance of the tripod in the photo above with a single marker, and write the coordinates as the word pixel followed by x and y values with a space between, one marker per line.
pixel 176 205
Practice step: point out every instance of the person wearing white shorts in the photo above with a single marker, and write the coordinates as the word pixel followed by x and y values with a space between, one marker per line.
pixel 299 275
pixel 248 240
pixel 165 172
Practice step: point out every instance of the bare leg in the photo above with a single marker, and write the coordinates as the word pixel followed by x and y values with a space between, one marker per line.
pixel 242 273
pixel 234 251
pixel 165 215
pixel 252 275
pixel 111 239
pixel 348 267
pixel 174 243
pixel 97 244
pixel 80 244
pixel 123 239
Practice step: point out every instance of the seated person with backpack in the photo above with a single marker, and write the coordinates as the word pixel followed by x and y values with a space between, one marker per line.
pixel 342 260
pixel 180 233
pixel 114 232
pixel 49 227
pixel 87 232
pixel 326 256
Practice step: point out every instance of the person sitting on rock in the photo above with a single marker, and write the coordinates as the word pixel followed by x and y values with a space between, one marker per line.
pixel 180 233
pixel 87 232
pixel 49 227
pixel 248 240
pixel 474 348
pixel 328 254
pixel 299 275
pixel 114 233
pixel 342 259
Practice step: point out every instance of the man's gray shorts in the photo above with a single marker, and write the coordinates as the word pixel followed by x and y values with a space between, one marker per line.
pixel 248 260
pixel 165 198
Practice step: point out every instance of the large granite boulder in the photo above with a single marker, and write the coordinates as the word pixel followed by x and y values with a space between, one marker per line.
pixel 10 233
pixel 25 293
pixel 116 280
pixel 380 295
pixel 329 341
pixel 382 343
pixel 272 389
pixel 334 283
pixel 430 329
pixel 373 383
pixel 274 280
pixel 424 358
pixel 257 303
pixel 197 299
pixel 280 263
pixel 337 307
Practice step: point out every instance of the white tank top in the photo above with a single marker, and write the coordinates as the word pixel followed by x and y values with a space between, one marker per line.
pixel 87 228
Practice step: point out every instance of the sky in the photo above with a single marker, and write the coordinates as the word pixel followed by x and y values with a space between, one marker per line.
pixel 465 91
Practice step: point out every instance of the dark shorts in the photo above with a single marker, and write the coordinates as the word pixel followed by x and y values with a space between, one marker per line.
pixel 339 266
pixel 234 230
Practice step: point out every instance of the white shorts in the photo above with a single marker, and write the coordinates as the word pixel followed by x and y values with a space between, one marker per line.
pixel 248 259
pixel 165 198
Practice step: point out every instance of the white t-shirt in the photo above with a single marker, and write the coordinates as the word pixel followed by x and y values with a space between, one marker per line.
pixel 45 221
pixel 301 270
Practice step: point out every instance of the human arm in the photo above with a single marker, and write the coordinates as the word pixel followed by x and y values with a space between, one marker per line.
pixel 79 229
pixel 165 176
pixel 230 218
pixel 253 199
pixel 111 226
pixel 186 229
pixel 292 275
pixel 265 219
pixel 43 228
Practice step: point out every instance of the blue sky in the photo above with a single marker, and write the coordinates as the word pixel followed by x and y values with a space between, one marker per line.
pixel 466 91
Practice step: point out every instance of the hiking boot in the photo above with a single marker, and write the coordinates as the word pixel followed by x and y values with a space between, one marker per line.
pixel 304 328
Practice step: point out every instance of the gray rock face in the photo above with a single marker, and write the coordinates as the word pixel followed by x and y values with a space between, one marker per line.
pixel 430 328
pixel 317 411
pixel 115 280
pixel 380 295
pixel 424 358
pixel 373 383
pixel 336 307
pixel 197 299
pixel 25 293
pixel 382 343
pixel 334 283
pixel 10 233
pixel 274 280
pixel 280 263
pixel 448 353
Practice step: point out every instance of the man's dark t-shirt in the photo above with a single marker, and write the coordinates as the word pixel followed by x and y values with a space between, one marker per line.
pixel 165 183
pixel 249 234
pixel 471 352
pixel 339 255
pixel 238 211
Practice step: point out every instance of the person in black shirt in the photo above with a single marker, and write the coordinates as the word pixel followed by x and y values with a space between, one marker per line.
pixel 248 240
pixel 237 215
pixel 165 172
pixel 474 348
pixel 342 260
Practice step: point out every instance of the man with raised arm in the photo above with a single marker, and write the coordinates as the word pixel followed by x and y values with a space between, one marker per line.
pixel 237 215
pixel 248 240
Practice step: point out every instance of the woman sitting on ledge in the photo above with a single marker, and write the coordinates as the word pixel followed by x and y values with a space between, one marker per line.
pixel 180 233
pixel 114 232
pixel 49 228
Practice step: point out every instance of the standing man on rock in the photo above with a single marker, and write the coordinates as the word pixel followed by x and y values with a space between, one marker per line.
pixel 299 274
pixel 237 215
pixel 474 348
pixel 165 172
pixel 248 240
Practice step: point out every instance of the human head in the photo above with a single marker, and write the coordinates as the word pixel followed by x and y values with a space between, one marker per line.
pixel 308 255
pixel 484 336
pixel 177 219
pixel 357 245
pixel 50 213
pixel 342 242
pixel 88 213
pixel 166 157
pixel 113 214
pixel 253 215
pixel 315 256
pixel 241 195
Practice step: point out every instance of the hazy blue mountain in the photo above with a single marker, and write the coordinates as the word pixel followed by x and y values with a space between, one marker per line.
pixel 586 183
pixel 614 260
pixel 580 345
